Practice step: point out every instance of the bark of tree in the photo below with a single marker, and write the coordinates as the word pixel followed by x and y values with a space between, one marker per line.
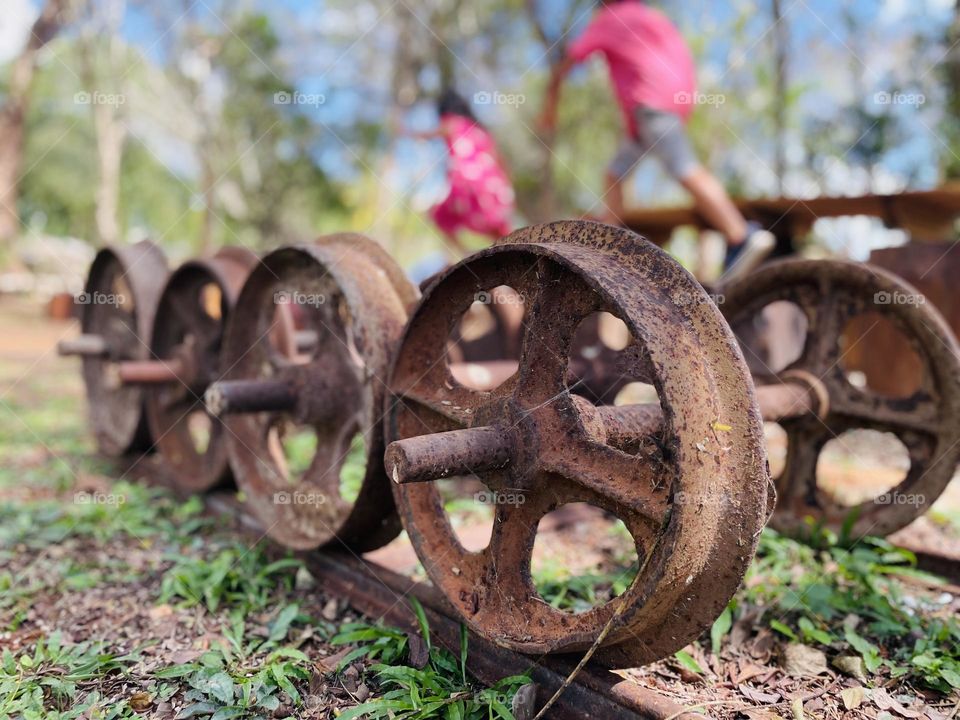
pixel 14 111
pixel 780 38
pixel 107 103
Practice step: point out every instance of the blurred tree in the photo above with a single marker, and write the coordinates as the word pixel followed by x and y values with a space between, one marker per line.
pixel 950 125
pixel 105 63
pixel 13 112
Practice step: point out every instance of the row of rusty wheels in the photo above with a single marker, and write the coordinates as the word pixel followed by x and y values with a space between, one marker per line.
pixel 342 402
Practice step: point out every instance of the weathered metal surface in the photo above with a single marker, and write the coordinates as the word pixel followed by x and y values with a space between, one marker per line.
pixel 197 301
pixel 830 294
pixel 123 289
pixel 346 291
pixel 694 500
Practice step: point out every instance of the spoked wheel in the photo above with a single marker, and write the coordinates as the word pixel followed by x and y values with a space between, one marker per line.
pixel 305 434
pixel 121 296
pixel 690 484
pixel 187 337
pixel 831 294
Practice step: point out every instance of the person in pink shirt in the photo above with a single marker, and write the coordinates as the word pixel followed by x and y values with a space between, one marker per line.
pixel 481 197
pixel 654 80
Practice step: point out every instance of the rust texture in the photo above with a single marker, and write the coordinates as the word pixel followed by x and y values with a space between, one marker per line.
pixel 123 285
pixel 350 301
pixel 831 294
pixel 195 305
pixel 694 498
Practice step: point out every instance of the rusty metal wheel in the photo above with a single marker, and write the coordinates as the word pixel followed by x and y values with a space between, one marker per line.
pixel 831 294
pixel 187 336
pixel 122 291
pixel 693 495
pixel 353 302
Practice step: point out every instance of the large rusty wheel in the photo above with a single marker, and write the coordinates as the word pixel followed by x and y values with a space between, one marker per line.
pixel 121 295
pixel 830 294
pixel 187 337
pixel 353 301
pixel 532 436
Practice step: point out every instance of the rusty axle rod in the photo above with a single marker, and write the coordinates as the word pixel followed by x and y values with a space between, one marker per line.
pixel 250 396
pixel 486 448
pixel 151 372
pixel 85 345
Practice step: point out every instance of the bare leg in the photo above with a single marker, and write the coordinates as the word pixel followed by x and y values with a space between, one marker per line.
pixel 715 205
pixel 613 199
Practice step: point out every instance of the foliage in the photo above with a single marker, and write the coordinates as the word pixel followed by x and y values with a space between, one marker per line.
pixel 441 689
pixel 850 600
pixel 130 509
pixel 246 678
pixel 48 681
pixel 236 575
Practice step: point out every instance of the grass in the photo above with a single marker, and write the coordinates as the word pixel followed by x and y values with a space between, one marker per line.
pixel 851 602
pixel 47 681
pixel 236 576
pixel 441 688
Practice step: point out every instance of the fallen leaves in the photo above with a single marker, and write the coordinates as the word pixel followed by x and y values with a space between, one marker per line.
pixel 803 661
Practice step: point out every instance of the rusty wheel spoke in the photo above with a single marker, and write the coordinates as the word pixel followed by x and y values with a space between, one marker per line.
pixel 892 415
pixel 548 333
pixel 506 560
pixel 638 483
pixel 455 405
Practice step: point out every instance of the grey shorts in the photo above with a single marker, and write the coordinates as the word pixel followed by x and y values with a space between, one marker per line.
pixel 661 135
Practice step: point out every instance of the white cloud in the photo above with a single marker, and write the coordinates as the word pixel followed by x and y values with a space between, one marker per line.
pixel 15 22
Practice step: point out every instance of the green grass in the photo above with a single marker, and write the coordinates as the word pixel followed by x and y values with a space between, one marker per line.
pixel 442 688
pixel 849 601
pixel 48 680
pixel 236 576
pixel 247 677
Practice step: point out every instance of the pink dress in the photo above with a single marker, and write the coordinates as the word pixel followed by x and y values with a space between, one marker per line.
pixel 481 197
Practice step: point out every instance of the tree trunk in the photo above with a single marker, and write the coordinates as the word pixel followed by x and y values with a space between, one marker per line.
pixel 13 115
pixel 780 38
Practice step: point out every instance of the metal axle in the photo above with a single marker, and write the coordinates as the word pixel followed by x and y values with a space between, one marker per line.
pixel 150 372
pixel 250 396
pixel 485 448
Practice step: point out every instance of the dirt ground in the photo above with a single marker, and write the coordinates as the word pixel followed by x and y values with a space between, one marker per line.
pixel 749 677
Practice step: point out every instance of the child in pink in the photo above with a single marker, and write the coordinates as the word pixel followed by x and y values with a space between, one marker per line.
pixel 653 77
pixel 481 196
